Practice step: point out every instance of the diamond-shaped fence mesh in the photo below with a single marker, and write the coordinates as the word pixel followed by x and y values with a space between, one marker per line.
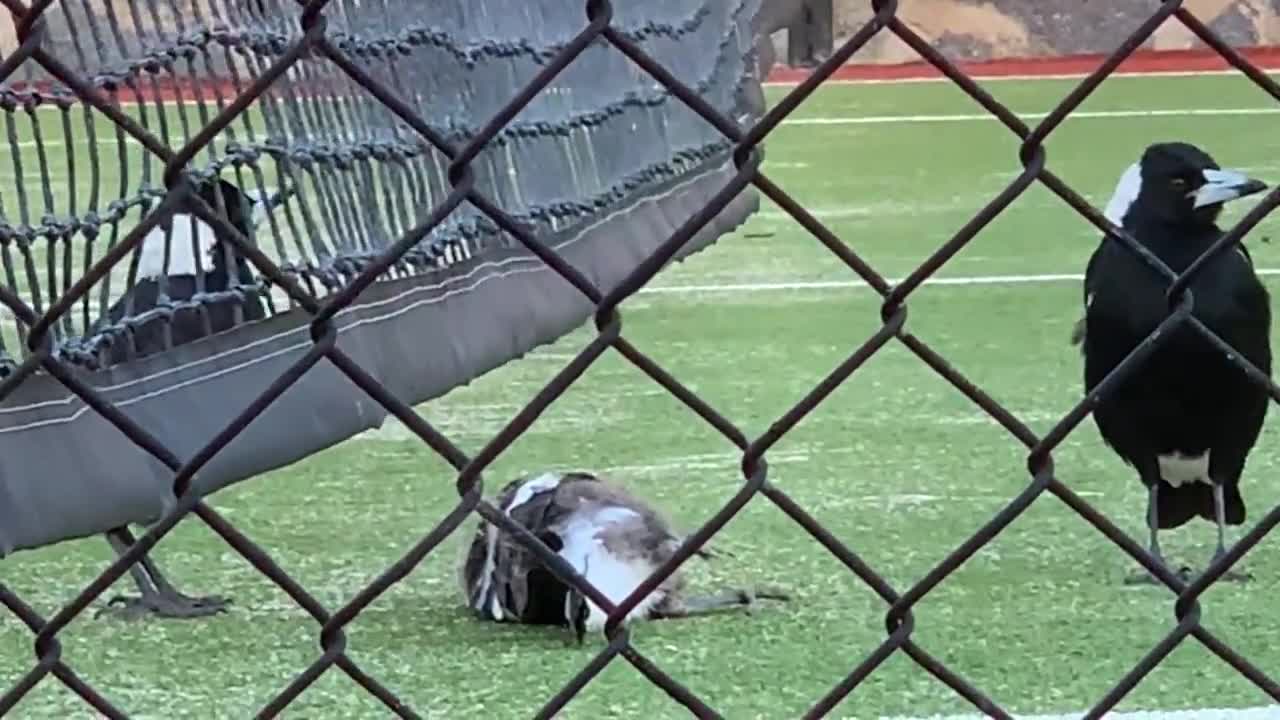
pixel 44 318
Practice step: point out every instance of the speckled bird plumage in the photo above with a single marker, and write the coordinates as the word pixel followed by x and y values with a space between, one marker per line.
pixel 505 581
pixel 609 535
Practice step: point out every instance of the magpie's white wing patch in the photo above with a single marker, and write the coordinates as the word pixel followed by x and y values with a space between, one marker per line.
pixel 181 261
pixel 544 482
pixel 258 202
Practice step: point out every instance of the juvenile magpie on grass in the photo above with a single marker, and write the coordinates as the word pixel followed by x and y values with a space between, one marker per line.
pixel 169 258
pixel 609 535
pixel 1187 418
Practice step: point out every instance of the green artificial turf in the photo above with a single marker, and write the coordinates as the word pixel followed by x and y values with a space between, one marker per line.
pixel 899 465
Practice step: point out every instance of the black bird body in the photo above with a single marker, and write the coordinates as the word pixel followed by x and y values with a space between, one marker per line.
pixel 1188 398
pixel 1187 418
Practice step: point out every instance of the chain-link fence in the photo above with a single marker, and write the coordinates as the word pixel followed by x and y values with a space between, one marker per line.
pixel 900 622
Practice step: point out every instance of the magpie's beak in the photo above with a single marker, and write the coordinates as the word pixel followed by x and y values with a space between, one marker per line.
pixel 1223 186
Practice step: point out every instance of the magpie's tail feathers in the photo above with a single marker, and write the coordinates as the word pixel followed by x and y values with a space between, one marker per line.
pixel 1176 506
pixel 1232 500
pixel 1235 504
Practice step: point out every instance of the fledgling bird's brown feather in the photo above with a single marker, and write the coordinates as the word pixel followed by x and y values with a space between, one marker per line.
pixel 585 519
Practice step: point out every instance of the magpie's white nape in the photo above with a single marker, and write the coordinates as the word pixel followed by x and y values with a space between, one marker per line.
pixel 1127 189
pixel 1187 418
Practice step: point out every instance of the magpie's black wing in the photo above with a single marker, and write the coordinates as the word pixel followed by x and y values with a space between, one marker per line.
pixel 1249 308
pixel 1245 251
pixel 1241 316
pixel 1090 279
pixel 1090 271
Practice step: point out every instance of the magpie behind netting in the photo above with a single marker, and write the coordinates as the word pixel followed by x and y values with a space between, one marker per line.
pixel 1187 418
pixel 609 535
pixel 179 258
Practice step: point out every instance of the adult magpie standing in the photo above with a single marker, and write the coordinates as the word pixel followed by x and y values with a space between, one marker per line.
pixel 178 258
pixel 1188 417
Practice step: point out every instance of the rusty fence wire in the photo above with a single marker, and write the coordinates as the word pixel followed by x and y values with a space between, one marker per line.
pixel 899 620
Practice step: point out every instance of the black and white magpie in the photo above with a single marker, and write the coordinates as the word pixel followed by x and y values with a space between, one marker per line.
pixel 169 259
pixel 178 256
pixel 1187 418
pixel 610 536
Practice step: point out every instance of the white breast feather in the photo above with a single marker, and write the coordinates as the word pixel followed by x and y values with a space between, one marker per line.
pixel 613 576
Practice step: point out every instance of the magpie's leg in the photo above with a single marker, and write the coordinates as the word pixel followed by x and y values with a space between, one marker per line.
pixel 156 595
pixel 1142 577
pixel 744 599
pixel 577 611
pixel 1220 510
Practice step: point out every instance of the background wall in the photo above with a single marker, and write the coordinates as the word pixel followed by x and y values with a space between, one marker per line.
pixel 989 29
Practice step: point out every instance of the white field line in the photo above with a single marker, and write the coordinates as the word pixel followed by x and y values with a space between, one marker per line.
pixel 717 462
pixel 1122 75
pixel 173 141
pixel 1078 114
pixel 902 119
pixel 1254 713
pixel 891 120
pixel 841 284
pixel 482 420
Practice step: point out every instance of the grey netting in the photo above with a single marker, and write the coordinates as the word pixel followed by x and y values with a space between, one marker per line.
pixel 603 165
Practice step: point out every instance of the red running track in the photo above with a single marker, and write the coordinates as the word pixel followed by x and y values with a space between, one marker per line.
pixel 1142 62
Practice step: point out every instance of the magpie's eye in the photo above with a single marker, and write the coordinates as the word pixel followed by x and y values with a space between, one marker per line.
pixel 1178 183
